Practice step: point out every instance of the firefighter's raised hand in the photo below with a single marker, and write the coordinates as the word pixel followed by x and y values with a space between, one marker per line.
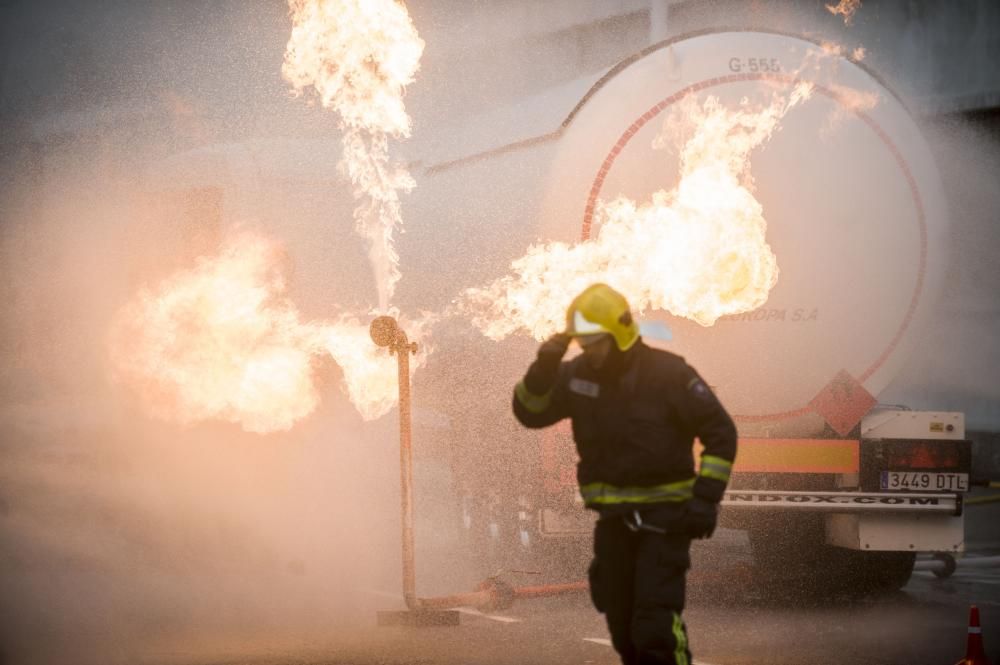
pixel 542 374
pixel 554 348
pixel 700 518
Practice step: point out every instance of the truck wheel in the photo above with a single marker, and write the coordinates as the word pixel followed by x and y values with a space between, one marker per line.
pixel 794 561
pixel 882 572
pixel 787 556
pixel 846 572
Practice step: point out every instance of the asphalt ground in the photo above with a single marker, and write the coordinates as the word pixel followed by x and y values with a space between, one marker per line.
pixel 731 621
pixel 926 622
pixel 107 618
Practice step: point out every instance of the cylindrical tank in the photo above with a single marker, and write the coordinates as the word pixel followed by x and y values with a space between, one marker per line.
pixel 855 214
pixel 854 207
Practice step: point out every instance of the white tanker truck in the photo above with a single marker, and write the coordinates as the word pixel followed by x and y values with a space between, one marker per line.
pixel 835 488
pixel 837 491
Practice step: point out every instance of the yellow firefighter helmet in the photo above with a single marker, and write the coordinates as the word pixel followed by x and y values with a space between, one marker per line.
pixel 601 309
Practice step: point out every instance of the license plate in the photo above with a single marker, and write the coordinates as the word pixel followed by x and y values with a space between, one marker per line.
pixel 919 480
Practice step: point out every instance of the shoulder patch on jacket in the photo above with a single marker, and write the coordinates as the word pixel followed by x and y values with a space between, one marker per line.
pixel 698 388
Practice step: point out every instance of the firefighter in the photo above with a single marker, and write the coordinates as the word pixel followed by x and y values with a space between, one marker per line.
pixel 635 411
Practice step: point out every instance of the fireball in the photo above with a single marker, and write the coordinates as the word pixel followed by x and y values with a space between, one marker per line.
pixel 221 341
pixel 698 250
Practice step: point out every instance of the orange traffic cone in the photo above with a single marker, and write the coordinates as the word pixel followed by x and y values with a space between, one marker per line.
pixel 974 654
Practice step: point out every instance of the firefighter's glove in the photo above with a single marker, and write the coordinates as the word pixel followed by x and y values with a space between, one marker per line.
pixel 543 372
pixel 700 518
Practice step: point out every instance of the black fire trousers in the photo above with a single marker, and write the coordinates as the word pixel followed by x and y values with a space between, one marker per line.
pixel 637 581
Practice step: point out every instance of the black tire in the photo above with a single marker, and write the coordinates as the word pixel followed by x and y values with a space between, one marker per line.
pixel 791 559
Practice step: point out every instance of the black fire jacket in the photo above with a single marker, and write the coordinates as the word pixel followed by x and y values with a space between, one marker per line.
pixel 635 433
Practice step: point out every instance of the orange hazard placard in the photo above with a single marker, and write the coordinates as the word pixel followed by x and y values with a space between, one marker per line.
pixel 843 402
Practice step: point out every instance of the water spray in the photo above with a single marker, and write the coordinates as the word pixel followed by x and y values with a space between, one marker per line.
pixel 492 593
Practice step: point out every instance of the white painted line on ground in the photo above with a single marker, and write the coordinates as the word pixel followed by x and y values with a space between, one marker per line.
pixel 607 643
pixel 492 617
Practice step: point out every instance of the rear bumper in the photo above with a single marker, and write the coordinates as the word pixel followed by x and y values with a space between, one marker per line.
pixel 843 502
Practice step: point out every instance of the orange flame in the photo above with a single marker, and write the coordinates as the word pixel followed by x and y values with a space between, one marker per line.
pixel 359 55
pixel 845 8
pixel 370 372
pixel 222 342
pixel 698 251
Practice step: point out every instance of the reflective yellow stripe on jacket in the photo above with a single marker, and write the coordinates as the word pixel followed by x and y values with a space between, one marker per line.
pixel 680 640
pixel 605 494
pixel 715 467
pixel 532 402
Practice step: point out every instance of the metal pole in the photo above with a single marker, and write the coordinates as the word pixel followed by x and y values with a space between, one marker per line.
pixel 385 331
pixel 492 593
pixel 403 349
pixel 547 590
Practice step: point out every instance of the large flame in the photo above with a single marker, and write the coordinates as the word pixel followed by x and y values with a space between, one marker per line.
pixel 221 341
pixel 359 55
pixel 698 251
